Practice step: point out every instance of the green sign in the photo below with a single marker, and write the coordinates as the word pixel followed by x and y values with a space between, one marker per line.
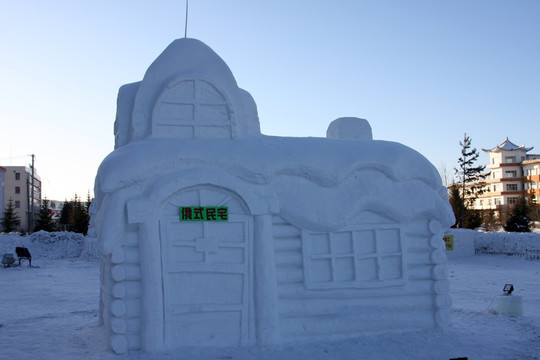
pixel 204 213
pixel 449 242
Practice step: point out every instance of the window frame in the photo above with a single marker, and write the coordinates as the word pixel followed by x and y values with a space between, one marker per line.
pixel 511 187
pixel 357 255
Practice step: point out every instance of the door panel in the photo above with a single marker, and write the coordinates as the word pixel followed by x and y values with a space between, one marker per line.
pixel 207 273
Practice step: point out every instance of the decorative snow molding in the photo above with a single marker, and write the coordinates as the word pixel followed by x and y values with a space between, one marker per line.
pixel 212 234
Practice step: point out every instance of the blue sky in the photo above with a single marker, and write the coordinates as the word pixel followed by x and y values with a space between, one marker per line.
pixel 421 72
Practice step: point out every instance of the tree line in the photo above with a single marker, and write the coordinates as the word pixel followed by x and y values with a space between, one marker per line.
pixel 74 216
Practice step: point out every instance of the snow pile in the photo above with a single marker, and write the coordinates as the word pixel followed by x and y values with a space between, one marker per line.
pixel 506 242
pixel 51 245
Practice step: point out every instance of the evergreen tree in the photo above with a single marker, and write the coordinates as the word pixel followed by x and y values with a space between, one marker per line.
pixel 534 212
pixel 79 216
pixel 75 214
pixel 65 215
pixel 11 220
pixel 465 218
pixel 45 222
pixel 457 203
pixel 471 183
pixel 473 219
pixel 89 200
pixel 490 220
pixel 519 217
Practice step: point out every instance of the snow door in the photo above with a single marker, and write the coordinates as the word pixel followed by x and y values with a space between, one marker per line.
pixel 207 272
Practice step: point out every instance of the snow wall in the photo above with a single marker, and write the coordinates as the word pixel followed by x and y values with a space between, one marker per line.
pixel 44 245
pixel 213 234
pixel 463 243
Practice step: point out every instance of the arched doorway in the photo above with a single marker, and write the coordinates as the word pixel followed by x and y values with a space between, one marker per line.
pixel 207 271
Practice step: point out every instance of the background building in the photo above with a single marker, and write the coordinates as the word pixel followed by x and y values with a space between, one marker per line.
pixel 25 191
pixel 531 179
pixel 511 173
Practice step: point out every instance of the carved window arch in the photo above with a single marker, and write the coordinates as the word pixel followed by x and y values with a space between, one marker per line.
pixel 191 109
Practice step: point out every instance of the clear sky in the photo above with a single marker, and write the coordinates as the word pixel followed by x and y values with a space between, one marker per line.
pixel 421 72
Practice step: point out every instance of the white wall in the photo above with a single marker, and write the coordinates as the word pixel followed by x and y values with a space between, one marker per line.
pixel 463 243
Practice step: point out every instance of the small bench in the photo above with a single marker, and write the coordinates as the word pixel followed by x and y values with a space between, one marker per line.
pixel 23 253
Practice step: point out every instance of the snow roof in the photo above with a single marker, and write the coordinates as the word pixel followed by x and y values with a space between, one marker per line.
pixel 507 145
pixel 327 181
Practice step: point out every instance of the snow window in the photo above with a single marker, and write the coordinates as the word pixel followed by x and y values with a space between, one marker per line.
pixel 359 257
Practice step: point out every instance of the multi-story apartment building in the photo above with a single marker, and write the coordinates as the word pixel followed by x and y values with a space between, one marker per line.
pixel 25 193
pixel 531 180
pixel 511 173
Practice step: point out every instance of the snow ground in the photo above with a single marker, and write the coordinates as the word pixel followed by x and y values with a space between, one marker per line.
pixel 50 311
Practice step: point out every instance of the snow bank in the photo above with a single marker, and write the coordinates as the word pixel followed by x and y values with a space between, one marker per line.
pixel 506 242
pixel 468 242
pixel 53 245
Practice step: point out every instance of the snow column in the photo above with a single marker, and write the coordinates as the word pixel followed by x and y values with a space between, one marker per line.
pixel 266 302
pixel 441 286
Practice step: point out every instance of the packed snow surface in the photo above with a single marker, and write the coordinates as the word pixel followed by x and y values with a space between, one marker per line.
pixel 50 311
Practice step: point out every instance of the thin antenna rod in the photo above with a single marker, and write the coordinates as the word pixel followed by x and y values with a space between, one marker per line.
pixel 185 29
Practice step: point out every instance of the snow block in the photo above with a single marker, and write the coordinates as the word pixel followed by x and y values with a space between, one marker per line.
pixel 212 234
pixel 509 305
pixel 463 240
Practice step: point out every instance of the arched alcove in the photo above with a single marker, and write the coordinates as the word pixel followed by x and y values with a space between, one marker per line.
pixel 192 109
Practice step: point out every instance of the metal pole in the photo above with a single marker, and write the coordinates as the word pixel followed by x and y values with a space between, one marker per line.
pixel 185 28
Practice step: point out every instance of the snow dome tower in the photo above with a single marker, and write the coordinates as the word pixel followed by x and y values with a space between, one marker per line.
pixel 212 234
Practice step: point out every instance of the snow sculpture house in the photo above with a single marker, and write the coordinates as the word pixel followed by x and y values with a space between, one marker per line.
pixel 319 237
